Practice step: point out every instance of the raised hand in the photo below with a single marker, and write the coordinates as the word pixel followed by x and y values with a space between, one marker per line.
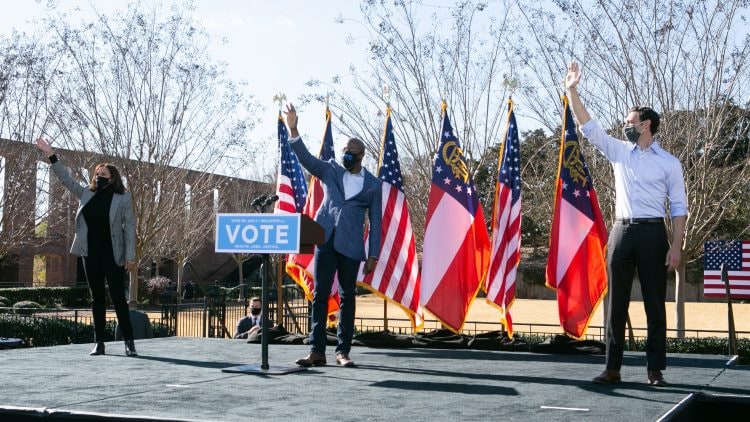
pixel 291 120
pixel 291 116
pixel 573 76
pixel 45 146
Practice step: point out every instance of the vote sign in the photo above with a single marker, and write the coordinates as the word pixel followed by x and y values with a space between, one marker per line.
pixel 257 233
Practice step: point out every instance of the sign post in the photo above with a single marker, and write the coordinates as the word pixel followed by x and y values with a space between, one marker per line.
pixel 262 234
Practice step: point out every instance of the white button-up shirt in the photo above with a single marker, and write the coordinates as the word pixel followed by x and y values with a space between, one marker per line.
pixel 644 179
pixel 353 183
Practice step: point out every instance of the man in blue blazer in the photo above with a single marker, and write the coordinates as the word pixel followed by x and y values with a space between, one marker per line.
pixel 349 192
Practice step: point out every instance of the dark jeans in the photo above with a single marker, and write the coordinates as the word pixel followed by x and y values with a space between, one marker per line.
pixel 641 247
pixel 98 268
pixel 327 263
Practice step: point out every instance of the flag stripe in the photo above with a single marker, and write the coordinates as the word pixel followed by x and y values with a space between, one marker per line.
pixel 396 275
pixel 441 245
pixel 290 182
pixel 575 230
pixel 504 265
pixel 456 248
pixel 450 300
pixel 576 265
pixel 506 225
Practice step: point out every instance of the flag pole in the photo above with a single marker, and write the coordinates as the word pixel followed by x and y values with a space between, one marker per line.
pixel 730 315
pixel 387 98
pixel 280 98
pixel 443 112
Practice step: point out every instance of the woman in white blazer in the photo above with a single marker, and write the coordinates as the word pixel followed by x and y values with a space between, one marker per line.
pixel 105 239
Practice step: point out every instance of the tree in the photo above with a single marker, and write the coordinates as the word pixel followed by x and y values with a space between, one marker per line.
pixel 456 53
pixel 690 60
pixel 242 201
pixel 140 87
pixel 25 72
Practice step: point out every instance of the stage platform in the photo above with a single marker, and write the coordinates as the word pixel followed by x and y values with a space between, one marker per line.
pixel 181 378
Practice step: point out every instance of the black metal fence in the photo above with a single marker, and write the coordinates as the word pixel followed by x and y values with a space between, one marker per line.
pixel 50 327
pixel 216 315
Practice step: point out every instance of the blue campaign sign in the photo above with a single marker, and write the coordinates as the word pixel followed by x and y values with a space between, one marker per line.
pixel 257 233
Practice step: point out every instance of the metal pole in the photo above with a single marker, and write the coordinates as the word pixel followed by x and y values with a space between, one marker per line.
pixel 730 314
pixel 279 291
pixel 631 336
pixel 385 315
pixel 205 316
pixel 263 325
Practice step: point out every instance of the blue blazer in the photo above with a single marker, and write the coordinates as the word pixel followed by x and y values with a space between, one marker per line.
pixel 346 215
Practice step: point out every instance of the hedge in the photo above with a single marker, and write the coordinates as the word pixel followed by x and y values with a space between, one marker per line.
pixel 49 297
pixel 40 331
pixel 25 307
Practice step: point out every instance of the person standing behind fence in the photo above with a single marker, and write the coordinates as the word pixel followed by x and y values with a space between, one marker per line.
pixel 188 291
pixel 105 239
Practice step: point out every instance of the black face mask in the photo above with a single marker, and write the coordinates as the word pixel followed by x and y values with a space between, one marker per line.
pixel 349 160
pixel 101 183
pixel 255 311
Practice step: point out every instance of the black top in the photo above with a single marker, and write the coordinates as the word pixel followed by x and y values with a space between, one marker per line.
pixel 96 215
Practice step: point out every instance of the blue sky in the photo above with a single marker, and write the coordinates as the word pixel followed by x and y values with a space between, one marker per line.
pixel 273 45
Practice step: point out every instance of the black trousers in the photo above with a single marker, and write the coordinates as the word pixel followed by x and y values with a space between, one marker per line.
pixel 100 267
pixel 641 247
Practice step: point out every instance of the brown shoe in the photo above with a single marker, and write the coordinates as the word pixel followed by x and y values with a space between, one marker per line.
pixel 656 379
pixel 312 359
pixel 343 360
pixel 609 376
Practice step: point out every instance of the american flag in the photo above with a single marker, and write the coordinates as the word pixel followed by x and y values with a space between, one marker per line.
pixel 301 267
pixel 506 226
pixel 736 255
pixel 396 275
pixel 576 265
pixel 456 250
pixel 291 186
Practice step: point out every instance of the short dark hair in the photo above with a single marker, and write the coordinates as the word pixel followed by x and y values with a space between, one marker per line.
pixel 359 143
pixel 647 113
pixel 248 301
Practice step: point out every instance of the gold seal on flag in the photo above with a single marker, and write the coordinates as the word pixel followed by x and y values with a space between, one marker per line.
pixel 573 162
pixel 453 156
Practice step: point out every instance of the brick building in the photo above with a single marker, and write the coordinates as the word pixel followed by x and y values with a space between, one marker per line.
pixel 38 231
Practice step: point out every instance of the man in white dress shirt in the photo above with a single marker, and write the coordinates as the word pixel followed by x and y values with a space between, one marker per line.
pixel 646 178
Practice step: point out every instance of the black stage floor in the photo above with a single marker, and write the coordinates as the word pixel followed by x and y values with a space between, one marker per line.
pixel 181 378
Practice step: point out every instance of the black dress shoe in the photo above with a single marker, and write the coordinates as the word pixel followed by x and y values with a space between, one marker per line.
pixel 609 376
pixel 130 348
pixel 656 379
pixel 313 359
pixel 98 349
